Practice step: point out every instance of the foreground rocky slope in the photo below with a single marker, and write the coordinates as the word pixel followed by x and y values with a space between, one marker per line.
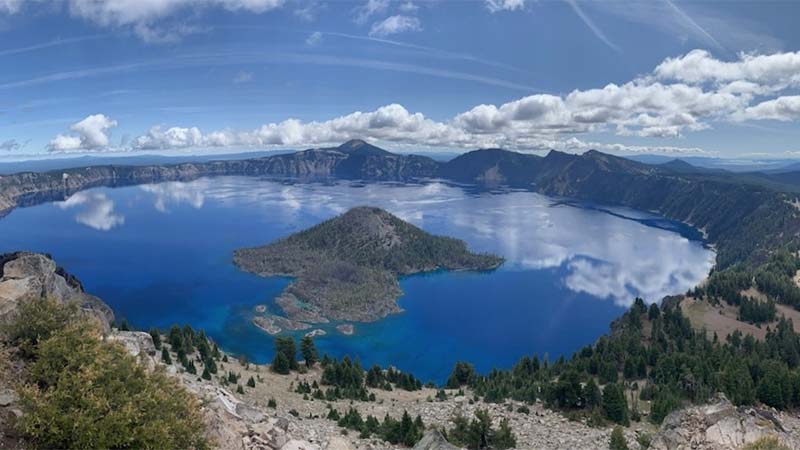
pixel 346 268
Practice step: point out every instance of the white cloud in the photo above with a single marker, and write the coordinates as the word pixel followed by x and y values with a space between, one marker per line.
pixel 243 77
pixel 93 134
pixel 634 108
pixel 370 8
pixel 504 5
pixel 760 73
pixel 314 39
pixel 175 137
pixel 395 24
pixel 682 95
pixel 782 108
pixel 147 17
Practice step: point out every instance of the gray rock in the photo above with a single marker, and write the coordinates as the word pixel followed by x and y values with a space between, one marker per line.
pixel 248 413
pixel 135 342
pixel 433 440
pixel 7 397
pixel 719 425
pixel 25 275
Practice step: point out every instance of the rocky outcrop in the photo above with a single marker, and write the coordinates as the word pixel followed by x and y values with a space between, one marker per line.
pixel 25 275
pixel 138 344
pixel 719 426
pixel 433 440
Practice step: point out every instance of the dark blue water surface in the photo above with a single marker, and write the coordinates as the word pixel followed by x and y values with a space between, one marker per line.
pixel 161 254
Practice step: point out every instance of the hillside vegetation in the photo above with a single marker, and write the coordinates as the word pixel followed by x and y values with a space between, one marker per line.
pixel 78 391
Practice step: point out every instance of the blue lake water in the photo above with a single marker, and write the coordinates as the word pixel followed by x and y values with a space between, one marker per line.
pixel 161 254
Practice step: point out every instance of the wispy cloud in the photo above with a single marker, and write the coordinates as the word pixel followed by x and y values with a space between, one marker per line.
pixel 243 77
pixel 314 39
pixel 592 26
pixel 369 9
pixel 49 44
pixel 216 60
pixel 693 24
pixel 394 25
pixel 429 51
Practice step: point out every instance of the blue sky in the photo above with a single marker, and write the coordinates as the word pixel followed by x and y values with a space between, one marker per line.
pixel 181 76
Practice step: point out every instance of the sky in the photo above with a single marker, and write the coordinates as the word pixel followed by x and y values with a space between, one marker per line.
pixel 122 77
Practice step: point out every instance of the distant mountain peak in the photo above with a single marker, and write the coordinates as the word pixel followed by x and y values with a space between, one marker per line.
pixel 361 147
pixel 353 144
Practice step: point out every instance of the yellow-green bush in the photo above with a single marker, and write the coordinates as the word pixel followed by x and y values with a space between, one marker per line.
pixel 83 393
pixel 766 443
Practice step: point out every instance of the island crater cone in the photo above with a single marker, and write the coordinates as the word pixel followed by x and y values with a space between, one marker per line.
pixel 347 268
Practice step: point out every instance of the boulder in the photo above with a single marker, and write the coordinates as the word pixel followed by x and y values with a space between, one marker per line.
pixel 7 397
pixel 433 440
pixel 249 413
pixel 717 426
pixel 135 342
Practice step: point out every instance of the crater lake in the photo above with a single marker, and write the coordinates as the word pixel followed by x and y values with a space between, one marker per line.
pixel 161 254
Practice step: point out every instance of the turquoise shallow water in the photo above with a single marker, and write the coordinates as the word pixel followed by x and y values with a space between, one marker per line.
pixel 161 254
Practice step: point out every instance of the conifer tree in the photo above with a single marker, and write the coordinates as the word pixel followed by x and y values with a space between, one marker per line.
pixel 165 358
pixel 309 351
pixel 280 364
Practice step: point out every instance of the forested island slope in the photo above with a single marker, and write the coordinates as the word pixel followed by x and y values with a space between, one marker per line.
pixel 346 268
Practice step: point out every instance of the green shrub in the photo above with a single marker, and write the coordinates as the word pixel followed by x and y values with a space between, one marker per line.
pixel 35 320
pixel 617 440
pixel 86 393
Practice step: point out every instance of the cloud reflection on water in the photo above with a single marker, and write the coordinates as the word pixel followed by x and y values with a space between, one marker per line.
pixel 175 193
pixel 96 210
pixel 602 255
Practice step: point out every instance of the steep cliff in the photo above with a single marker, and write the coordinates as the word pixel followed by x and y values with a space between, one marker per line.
pixel 25 275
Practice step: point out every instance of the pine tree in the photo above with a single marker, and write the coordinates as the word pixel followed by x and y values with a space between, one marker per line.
pixel 591 393
pixel 280 364
pixel 287 346
pixel 206 375
pixel 239 389
pixel 210 365
pixel 251 382
pixel 614 404
pixel 156 335
pixel 165 358
pixel 309 351
pixel 503 438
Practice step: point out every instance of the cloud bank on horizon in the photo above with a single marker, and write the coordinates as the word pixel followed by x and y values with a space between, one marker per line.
pixel 440 88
